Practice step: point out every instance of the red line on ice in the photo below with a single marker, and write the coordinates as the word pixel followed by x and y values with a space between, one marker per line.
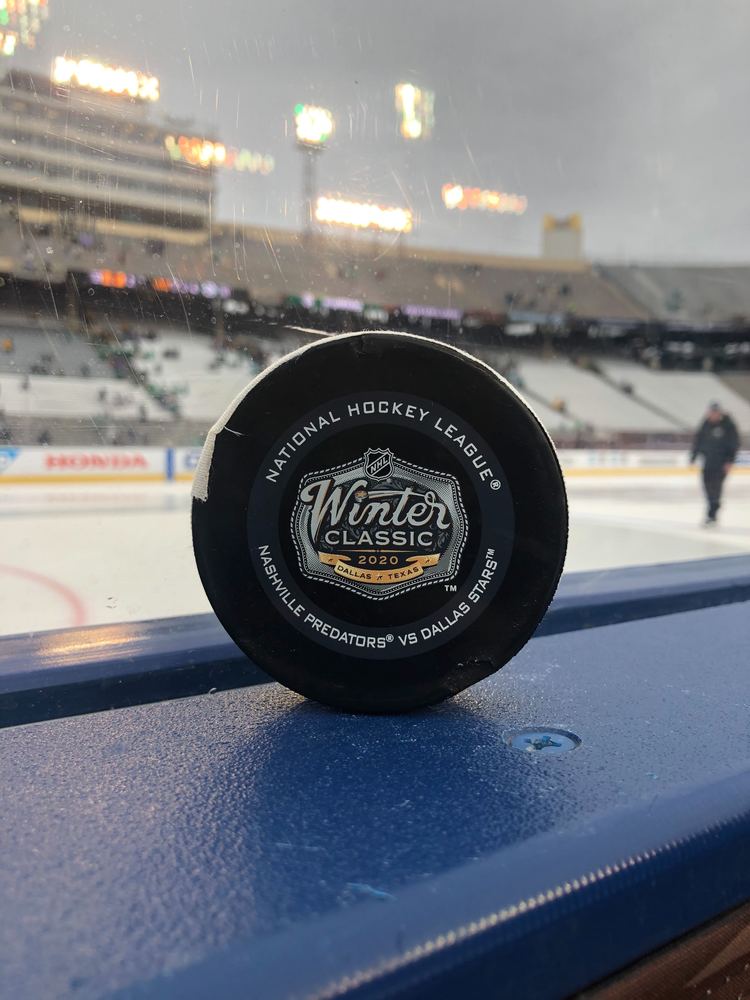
pixel 69 596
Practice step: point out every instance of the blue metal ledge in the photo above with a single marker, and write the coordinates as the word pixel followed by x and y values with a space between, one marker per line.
pixel 74 671
pixel 250 843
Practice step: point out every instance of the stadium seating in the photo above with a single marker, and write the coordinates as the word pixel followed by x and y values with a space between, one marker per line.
pixel 42 396
pixel 31 254
pixel 52 349
pixel 689 294
pixel 275 264
pixel 278 264
pixel 194 381
pixel 589 399
pixel 189 367
pixel 684 395
pixel 738 382
pixel 555 422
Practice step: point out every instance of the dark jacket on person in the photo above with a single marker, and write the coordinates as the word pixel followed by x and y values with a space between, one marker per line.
pixel 718 443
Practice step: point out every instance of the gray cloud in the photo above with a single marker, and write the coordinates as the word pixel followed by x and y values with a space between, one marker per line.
pixel 631 112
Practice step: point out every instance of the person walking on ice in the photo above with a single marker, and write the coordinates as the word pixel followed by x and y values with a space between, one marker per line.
pixel 717 441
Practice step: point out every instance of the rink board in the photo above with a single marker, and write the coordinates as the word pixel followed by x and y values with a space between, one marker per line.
pixel 48 465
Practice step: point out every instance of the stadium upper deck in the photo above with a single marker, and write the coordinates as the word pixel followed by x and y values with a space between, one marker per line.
pixel 86 175
pixel 104 234
pixel 88 188
pixel 691 295
pixel 275 264
pixel 345 273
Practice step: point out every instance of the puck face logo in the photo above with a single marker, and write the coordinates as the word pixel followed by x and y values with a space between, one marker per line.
pixel 379 526
pixel 379 521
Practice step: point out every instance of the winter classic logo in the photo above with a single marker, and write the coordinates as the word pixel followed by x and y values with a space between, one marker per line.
pixel 379 526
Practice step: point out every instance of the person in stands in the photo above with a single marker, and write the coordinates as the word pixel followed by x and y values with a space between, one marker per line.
pixel 717 441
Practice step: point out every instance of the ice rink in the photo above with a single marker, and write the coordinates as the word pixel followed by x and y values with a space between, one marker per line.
pixel 76 555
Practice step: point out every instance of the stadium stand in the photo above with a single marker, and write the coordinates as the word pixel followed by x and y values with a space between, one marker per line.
pixel 739 383
pixel 175 384
pixel 47 396
pixel 272 265
pixel 98 431
pixel 39 252
pixel 688 294
pixel 684 395
pixel 275 264
pixel 52 350
pixel 587 398
pixel 626 354
pixel 557 424
pixel 202 379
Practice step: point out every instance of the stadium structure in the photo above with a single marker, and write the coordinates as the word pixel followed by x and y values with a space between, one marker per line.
pixel 176 825
pixel 129 315
pixel 85 168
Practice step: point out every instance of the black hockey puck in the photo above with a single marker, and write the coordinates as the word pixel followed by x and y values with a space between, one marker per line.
pixel 379 521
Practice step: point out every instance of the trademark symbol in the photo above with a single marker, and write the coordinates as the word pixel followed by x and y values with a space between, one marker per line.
pixel 451 588
pixel 495 484
pixel 389 638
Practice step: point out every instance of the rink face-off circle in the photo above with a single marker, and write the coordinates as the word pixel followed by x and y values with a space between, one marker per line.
pixel 29 591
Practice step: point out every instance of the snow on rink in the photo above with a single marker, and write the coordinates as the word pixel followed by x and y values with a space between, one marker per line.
pixel 91 554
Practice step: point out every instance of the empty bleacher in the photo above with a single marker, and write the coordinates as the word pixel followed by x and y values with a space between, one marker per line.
pixel 589 399
pixel 189 368
pixel 555 422
pixel 272 264
pixel 684 395
pixel 48 396
pixel 195 379
pixel 691 294
pixel 51 350
pixel 738 382
pixel 275 264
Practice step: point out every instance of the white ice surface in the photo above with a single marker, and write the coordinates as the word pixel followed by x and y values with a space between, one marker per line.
pixel 110 553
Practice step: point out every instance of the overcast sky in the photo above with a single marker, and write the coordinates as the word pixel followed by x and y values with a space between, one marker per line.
pixel 632 112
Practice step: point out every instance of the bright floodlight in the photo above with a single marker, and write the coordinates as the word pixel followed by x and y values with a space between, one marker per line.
pixel 313 125
pixel 20 23
pixel 206 153
pixel 8 41
pixel 417 110
pixel 456 196
pixel 363 215
pixel 106 79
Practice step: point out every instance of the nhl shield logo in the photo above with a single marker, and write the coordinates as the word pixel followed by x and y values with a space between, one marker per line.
pixel 378 463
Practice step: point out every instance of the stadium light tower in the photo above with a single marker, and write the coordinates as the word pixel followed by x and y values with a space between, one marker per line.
pixel 313 128
pixel 416 109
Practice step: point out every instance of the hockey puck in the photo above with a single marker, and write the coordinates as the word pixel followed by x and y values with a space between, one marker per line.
pixel 379 521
